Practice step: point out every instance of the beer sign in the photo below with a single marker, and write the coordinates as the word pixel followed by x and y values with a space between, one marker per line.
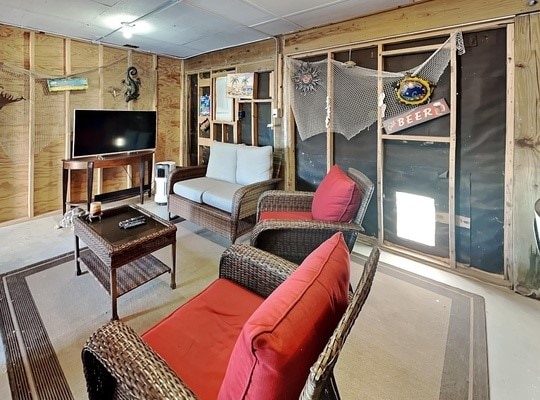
pixel 416 116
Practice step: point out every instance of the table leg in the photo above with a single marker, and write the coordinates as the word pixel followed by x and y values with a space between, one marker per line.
pixel 141 180
pixel 77 258
pixel 65 178
pixel 89 183
pixel 114 294
pixel 173 269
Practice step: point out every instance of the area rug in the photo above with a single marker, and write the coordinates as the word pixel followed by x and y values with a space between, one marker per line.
pixel 414 339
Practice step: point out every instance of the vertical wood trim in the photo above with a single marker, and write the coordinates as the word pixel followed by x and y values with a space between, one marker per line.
pixel 330 103
pixel 452 157
pixel 526 150
pixel 67 107
pixel 99 171
pixel 185 90
pixel 154 107
pixel 155 78
pixel 380 149
pixel 509 158
pixel 129 168
pixel 31 123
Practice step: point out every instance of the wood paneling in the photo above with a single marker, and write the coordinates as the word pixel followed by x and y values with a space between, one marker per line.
pixel 145 68
pixel 114 69
pixel 527 148
pixel 259 51
pixel 169 89
pixel 49 125
pixel 14 137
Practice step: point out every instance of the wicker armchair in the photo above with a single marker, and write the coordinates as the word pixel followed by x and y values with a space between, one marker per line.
pixel 118 364
pixel 321 383
pixel 295 239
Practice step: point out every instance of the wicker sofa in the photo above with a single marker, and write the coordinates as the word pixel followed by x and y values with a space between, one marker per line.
pixel 265 329
pixel 222 196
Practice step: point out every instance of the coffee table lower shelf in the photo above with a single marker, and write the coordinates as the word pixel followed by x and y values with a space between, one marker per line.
pixel 128 276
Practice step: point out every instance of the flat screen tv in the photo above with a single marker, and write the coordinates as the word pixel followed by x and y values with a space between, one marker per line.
pixel 105 132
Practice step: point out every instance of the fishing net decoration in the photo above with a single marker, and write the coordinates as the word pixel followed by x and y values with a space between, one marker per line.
pixel 356 99
pixel 15 102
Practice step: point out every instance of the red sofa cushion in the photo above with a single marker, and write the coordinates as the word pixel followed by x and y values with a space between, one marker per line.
pixel 196 340
pixel 285 335
pixel 337 198
pixel 286 215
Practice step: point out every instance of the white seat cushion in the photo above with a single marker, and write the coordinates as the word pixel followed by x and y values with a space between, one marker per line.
pixel 222 161
pixel 253 164
pixel 194 188
pixel 221 195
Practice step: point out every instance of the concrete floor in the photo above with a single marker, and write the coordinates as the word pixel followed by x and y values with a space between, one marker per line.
pixel 513 321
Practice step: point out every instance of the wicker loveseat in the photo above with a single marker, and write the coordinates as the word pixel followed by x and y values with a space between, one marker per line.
pixel 265 329
pixel 222 196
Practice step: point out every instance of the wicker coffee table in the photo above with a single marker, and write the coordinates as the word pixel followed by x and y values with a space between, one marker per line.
pixel 121 259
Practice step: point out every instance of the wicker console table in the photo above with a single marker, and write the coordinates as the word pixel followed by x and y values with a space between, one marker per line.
pixel 121 259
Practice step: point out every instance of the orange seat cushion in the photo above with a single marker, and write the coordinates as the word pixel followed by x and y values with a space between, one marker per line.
pixel 286 215
pixel 285 335
pixel 197 339
pixel 337 198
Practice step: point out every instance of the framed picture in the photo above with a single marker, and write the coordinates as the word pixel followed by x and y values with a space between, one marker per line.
pixel 224 104
pixel 204 105
pixel 240 85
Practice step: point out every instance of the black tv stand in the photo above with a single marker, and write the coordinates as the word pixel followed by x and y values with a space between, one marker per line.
pixel 144 159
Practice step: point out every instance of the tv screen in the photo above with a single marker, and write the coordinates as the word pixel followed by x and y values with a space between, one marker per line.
pixel 103 132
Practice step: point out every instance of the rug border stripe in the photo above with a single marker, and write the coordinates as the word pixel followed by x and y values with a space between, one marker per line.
pixel 459 297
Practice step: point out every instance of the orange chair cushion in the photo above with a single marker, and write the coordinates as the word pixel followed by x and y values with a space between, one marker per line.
pixel 286 215
pixel 197 339
pixel 285 335
pixel 337 198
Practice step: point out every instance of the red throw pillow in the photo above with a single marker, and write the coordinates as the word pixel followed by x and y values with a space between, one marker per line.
pixel 284 336
pixel 337 198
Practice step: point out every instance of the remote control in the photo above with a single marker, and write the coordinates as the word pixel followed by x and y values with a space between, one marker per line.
pixel 133 224
pixel 128 221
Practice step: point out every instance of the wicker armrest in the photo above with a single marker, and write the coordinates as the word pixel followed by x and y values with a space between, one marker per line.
pixel 183 173
pixel 257 270
pixel 118 364
pixel 245 199
pixel 282 200
pixel 295 240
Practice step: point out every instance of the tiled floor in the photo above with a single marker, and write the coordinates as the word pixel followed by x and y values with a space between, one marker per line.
pixel 513 321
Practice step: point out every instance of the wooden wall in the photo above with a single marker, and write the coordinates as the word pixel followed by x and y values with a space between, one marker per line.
pixel 526 172
pixel 523 263
pixel 36 131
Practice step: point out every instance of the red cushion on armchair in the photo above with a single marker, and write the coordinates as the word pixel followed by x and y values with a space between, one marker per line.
pixel 285 335
pixel 196 340
pixel 337 198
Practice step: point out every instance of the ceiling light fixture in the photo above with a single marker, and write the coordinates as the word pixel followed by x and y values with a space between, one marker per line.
pixel 127 27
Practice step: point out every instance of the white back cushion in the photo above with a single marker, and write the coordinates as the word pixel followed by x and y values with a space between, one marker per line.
pixel 254 164
pixel 222 161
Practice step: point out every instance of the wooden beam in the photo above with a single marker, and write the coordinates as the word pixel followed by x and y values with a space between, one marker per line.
pixel 416 18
